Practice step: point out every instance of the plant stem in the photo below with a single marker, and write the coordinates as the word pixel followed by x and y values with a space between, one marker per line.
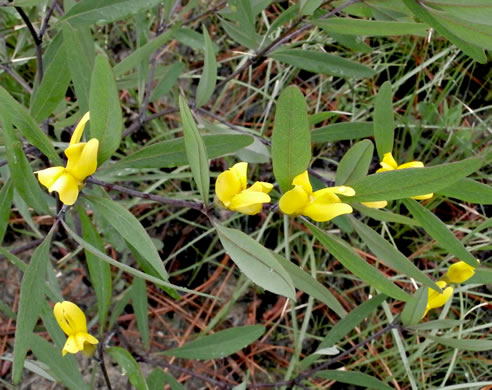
pixel 100 360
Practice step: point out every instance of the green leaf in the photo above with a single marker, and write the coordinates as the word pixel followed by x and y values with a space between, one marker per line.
pixel 219 345
pixel 469 190
pixel 30 303
pixel 415 307
pixel 140 307
pixel 24 181
pixel 420 12
pixel 322 63
pixel 439 232
pixel 130 229
pixel 353 378
pixel 168 81
pixel 305 282
pixel 482 276
pixel 53 87
pixel 77 41
pixel 64 368
pixel 18 115
pixel 464 344
pixel 257 262
pixel 99 271
pixel 370 28
pixel 6 196
pixel 195 150
pixel 104 103
pixel 437 324
pixel 291 139
pixel 102 12
pixel 355 163
pixel 132 271
pixel 206 85
pixel 158 378
pixel 383 120
pixel 389 255
pixel 144 52
pixel 405 183
pixel 355 264
pixel 342 131
pixel 385 216
pixel 346 325
pixel 172 153
pixel 128 366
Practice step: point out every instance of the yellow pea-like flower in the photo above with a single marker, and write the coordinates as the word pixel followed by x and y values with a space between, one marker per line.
pixel 389 164
pixel 72 321
pixel 320 206
pixel 459 272
pixel 232 190
pixel 81 162
pixel 436 299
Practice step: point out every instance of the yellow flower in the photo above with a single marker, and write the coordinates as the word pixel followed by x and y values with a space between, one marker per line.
pixel 81 162
pixel 320 206
pixel 72 321
pixel 389 164
pixel 459 272
pixel 231 189
pixel 436 299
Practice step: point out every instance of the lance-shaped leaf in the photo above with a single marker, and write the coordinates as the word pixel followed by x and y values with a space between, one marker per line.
pixel 353 378
pixel 355 264
pixel 220 344
pixel 370 28
pixel 24 181
pixel 469 190
pixel 195 150
pixel 389 255
pixel 30 304
pixel 89 12
pixel 6 195
pixel 206 85
pixel 172 153
pixel 17 114
pixel 257 262
pixel 130 229
pixel 104 103
pixel 463 344
pixel 439 231
pixel 291 139
pixel 355 163
pixel 129 367
pixel 415 307
pixel 320 62
pixel 383 120
pixel 405 183
pixel 342 131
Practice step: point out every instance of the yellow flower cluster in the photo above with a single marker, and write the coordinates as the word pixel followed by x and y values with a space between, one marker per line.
pixel 232 191
pixel 81 162
pixel 390 164
pixel 457 273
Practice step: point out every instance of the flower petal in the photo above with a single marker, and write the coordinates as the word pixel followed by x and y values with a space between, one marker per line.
pixel 241 170
pixel 389 162
pixel 343 190
pixel 62 321
pixel 75 317
pixel 411 164
pixel 460 272
pixel 70 346
pixel 261 186
pixel 67 187
pixel 48 176
pixel 84 338
pixel 303 181
pixel 437 299
pixel 227 186
pixel 294 201
pixel 322 212
pixel 79 129
pixel 423 197
pixel 87 163
pixel 248 198
pixel 375 205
